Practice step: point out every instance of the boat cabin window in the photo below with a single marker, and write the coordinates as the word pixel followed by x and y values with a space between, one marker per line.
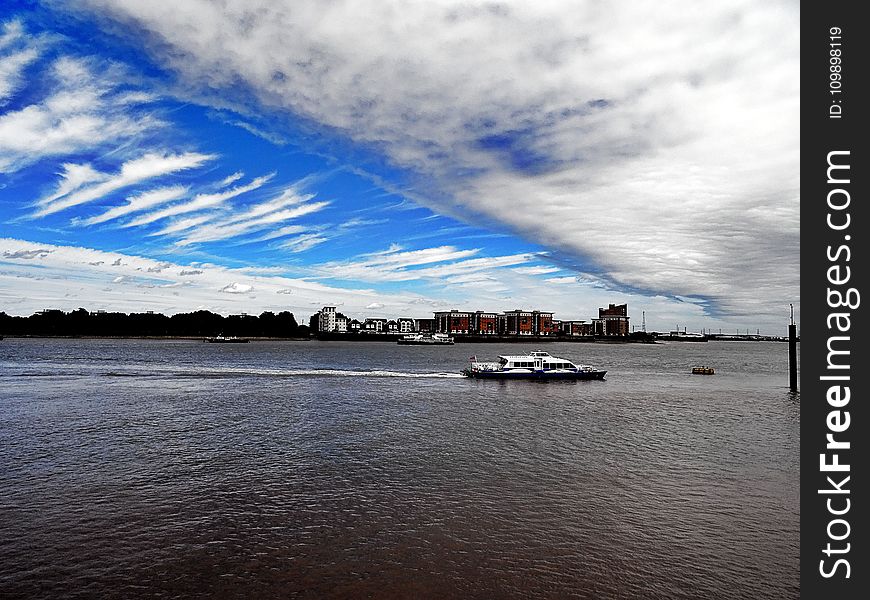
pixel 522 364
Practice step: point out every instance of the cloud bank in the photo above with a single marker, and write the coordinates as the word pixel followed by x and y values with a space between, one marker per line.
pixel 656 143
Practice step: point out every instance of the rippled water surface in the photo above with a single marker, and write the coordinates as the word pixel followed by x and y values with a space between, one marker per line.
pixel 133 468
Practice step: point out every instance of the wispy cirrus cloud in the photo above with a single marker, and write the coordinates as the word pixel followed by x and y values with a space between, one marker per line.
pixel 231 179
pixel 397 257
pixel 198 203
pixel 85 110
pixel 291 203
pixel 396 264
pixel 74 188
pixel 12 32
pixel 536 270
pixel 17 52
pixel 234 227
pixel 304 242
pixel 562 280
pixel 140 202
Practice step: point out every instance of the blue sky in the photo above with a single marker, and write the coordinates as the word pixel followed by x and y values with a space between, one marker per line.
pixel 395 159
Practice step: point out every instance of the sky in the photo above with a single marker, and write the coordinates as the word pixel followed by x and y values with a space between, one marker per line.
pixel 398 158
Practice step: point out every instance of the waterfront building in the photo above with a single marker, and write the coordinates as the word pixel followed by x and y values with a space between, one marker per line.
pixel 542 323
pixel 485 323
pixel 612 321
pixel 374 325
pixel 326 319
pixel 519 322
pixel 453 322
pixel 424 325
pixel 577 328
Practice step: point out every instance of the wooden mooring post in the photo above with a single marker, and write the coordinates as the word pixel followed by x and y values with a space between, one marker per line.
pixel 792 353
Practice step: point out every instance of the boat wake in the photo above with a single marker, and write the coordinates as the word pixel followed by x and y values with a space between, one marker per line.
pixel 322 373
pixel 155 371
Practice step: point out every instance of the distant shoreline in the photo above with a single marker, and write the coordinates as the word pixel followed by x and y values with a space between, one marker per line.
pixel 193 338
pixel 376 338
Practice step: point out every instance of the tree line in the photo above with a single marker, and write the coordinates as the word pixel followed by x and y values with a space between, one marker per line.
pixel 203 323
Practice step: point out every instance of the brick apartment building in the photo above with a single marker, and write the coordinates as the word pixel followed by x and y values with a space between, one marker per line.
pixel 453 321
pixel 612 321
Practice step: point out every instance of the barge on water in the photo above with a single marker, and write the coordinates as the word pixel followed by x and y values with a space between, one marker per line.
pixel 223 339
pixel 535 365
pixel 422 339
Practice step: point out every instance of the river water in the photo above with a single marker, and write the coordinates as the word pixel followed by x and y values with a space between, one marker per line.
pixel 153 468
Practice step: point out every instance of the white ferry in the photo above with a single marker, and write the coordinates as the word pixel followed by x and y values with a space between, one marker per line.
pixel 424 339
pixel 534 365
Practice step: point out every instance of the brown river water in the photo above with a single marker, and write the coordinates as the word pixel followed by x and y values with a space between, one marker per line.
pixel 177 469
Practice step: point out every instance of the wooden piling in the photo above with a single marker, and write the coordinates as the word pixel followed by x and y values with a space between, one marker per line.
pixel 792 353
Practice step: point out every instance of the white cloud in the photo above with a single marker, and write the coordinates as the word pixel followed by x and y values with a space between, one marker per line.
pixel 139 202
pixel 13 31
pixel 27 254
pixel 70 277
pixel 395 264
pixel 278 233
pixel 179 225
pixel 12 68
pixel 395 259
pixel 132 172
pixel 83 111
pixel 231 179
pixel 17 52
pixel 74 177
pixel 536 270
pixel 561 280
pixel 257 217
pixel 237 288
pixel 304 242
pixel 198 203
pixel 658 141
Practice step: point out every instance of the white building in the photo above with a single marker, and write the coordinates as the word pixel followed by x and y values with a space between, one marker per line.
pixel 327 319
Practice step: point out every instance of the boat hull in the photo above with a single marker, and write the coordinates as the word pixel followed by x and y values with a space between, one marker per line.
pixel 535 375
pixel 420 343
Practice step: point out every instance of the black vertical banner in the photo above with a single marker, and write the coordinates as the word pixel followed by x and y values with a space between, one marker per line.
pixel 833 380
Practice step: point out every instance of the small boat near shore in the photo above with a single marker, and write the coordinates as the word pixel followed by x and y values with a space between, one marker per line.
pixel 223 339
pixel 424 339
pixel 534 365
pixel 703 371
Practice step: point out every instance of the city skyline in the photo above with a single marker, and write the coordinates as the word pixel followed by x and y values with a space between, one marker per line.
pixel 401 159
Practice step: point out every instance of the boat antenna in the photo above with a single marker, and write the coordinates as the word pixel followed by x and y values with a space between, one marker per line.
pixel 791 306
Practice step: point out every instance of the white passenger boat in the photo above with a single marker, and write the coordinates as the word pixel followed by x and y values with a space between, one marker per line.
pixel 425 339
pixel 534 365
